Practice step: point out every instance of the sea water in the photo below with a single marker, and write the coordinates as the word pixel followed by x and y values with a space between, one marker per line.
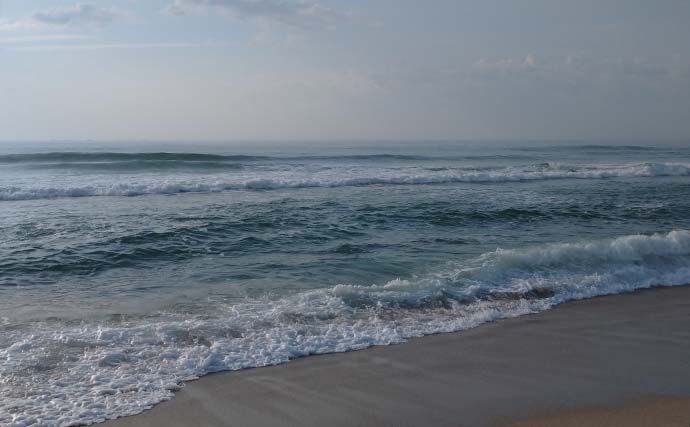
pixel 127 269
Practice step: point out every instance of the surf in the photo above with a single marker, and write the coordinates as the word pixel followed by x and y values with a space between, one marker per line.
pixel 287 176
pixel 125 364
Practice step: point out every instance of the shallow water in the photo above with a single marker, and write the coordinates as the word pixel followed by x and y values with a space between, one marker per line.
pixel 125 270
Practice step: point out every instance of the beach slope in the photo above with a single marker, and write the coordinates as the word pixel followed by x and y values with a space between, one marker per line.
pixel 603 358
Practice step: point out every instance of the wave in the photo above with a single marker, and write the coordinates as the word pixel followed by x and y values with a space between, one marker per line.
pixel 185 238
pixel 122 157
pixel 567 271
pixel 60 160
pixel 596 147
pixel 616 147
pixel 89 372
pixel 344 176
pixel 75 157
pixel 139 165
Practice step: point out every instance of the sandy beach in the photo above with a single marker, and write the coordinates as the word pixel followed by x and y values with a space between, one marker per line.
pixel 614 360
pixel 659 411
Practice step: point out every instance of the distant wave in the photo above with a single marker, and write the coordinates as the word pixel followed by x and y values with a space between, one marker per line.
pixel 138 166
pixel 69 157
pixel 220 235
pixel 112 160
pixel 117 368
pixel 110 157
pixel 594 147
pixel 615 147
pixel 342 176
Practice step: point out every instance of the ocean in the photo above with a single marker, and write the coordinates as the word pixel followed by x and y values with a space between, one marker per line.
pixel 128 269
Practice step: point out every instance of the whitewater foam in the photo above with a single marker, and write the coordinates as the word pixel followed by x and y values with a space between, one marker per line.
pixel 299 176
pixel 91 371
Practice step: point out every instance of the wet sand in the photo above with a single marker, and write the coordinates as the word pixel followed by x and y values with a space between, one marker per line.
pixel 615 360
pixel 650 412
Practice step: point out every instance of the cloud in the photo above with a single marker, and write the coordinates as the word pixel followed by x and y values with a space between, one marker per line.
pixel 18 25
pixel 638 68
pixel 507 65
pixel 102 46
pixel 523 75
pixel 580 69
pixel 78 15
pixel 300 14
pixel 42 38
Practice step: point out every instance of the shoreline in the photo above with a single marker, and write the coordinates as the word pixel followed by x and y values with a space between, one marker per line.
pixel 598 353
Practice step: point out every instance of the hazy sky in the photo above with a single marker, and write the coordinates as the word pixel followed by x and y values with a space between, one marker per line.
pixel 344 69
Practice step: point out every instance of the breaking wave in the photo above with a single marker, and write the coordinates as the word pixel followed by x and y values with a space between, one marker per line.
pixel 342 176
pixel 95 370
pixel 56 157
pixel 105 157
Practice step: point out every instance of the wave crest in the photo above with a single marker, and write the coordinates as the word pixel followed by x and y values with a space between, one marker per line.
pixel 345 176
pixel 121 366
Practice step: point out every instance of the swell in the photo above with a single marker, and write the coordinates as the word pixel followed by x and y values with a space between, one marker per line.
pixel 73 157
pixel 229 235
pixel 89 372
pixel 121 157
pixel 597 147
pixel 83 159
pixel 345 176
pixel 139 165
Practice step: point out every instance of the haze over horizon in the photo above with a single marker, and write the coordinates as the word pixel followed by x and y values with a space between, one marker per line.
pixel 190 70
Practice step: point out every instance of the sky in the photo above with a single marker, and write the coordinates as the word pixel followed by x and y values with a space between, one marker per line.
pixel 224 70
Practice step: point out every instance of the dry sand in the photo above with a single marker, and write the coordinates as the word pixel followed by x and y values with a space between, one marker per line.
pixel 617 360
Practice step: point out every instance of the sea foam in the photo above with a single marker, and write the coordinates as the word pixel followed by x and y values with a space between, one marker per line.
pixel 298 176
pixel 60 373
